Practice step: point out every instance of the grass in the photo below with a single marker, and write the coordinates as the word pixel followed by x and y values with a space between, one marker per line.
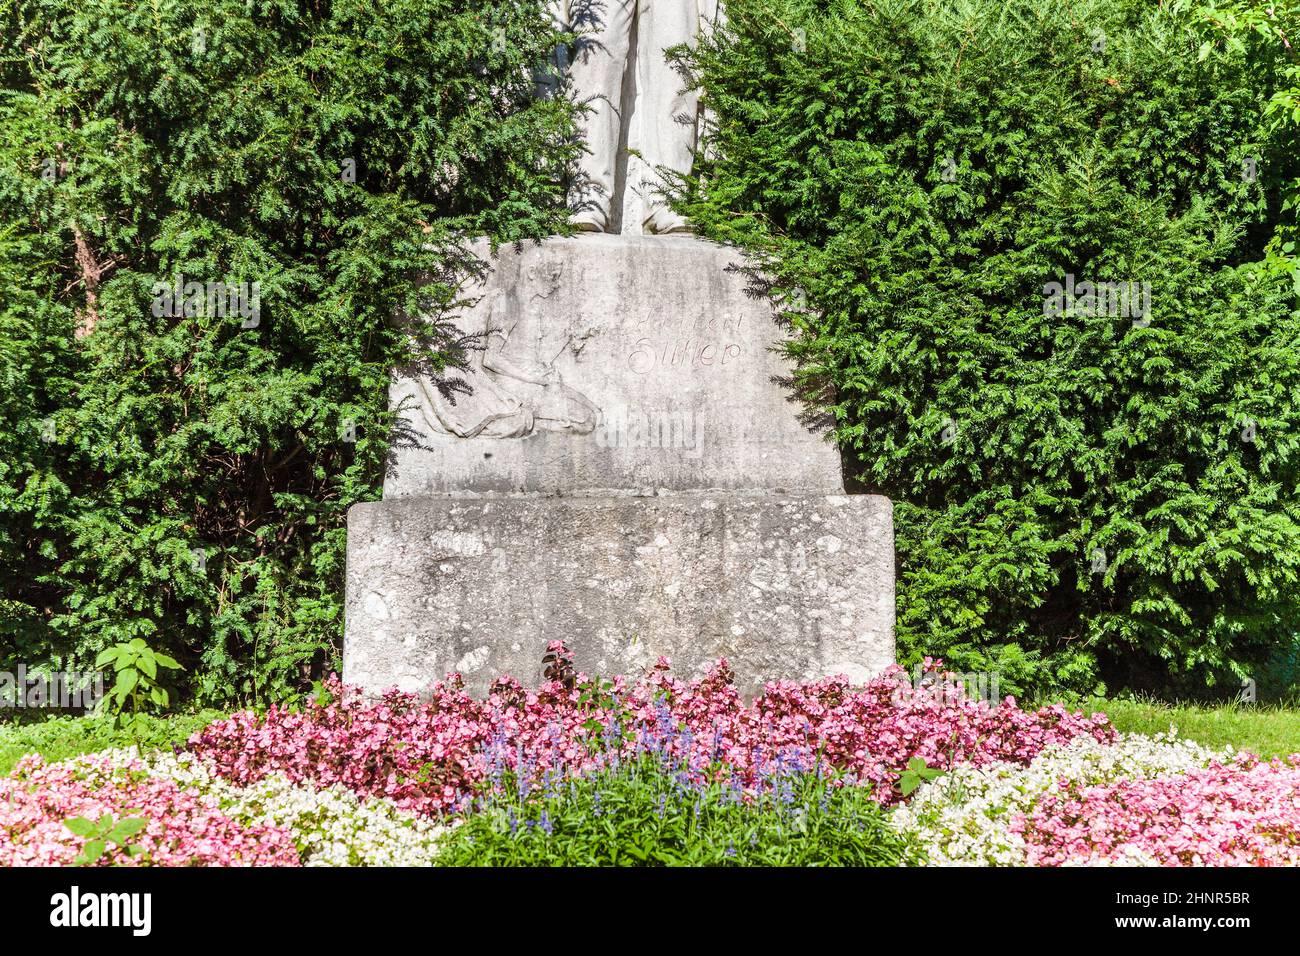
pixel 1269 730
pixel 62 737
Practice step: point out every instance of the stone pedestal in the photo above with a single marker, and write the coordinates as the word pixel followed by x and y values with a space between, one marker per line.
pixel 630 476
pixel 662 379
pixel 783 587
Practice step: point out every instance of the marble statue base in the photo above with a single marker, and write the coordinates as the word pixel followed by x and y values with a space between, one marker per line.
pixel 660 373
pixel 783 587
pixel 630 475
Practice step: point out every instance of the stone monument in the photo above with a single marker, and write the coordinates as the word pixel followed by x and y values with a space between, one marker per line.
pixel 627 474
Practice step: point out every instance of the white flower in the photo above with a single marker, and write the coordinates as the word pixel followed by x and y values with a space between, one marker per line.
pixel 963 818
pixel 331 826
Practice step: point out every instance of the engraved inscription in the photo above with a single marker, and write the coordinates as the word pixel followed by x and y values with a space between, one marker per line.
pixel 648 354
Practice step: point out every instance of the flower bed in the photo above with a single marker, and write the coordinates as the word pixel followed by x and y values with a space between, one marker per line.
pixel 402 781
pixel 1246 813
pixel 1140 801
pixel 969 816
pixel 195 818
pixel 182 827
pixel 330 826
pixel 430 757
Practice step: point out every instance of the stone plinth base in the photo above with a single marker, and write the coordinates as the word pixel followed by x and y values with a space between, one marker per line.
pixel 793 587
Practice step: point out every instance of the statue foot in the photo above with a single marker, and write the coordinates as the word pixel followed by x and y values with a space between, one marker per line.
pixel 664 222
pixel 589 220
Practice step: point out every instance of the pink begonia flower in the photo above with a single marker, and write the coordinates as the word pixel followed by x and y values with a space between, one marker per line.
pixel 1243 813
pixel 428 756
pixel 182 829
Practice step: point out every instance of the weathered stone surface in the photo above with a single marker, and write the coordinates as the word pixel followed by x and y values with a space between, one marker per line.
pixel 628 476
pixel 784 587
pixel 614 364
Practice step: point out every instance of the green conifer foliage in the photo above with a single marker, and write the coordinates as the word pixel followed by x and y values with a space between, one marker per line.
pixel 179 469
pixel 1080 495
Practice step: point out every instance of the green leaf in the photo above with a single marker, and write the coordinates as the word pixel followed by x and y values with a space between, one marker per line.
pixel 126 681
pixel 80 826
pixel 126 829
pixel 92 852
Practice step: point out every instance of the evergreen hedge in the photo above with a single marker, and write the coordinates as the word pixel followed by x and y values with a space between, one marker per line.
pixel 178 474
pixel 1082 498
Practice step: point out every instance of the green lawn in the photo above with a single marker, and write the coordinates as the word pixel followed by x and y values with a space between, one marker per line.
pixel 1269 731
pixel 63 737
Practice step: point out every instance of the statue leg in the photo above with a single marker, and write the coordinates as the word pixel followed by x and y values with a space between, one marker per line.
pixel 670 116
pixel 596 77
